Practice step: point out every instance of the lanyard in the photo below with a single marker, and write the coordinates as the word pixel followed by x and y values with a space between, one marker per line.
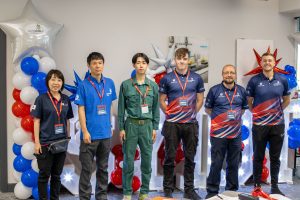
pixel 186 81
pixel 60 108
pixel 139 91
pixel 230 101
pixel 94 86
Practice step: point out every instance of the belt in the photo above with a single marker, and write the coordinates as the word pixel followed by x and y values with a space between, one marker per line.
pixel 139 121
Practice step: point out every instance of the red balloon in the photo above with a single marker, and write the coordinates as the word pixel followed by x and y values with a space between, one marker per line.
pixel 161 151
pixel 136 183
pixel 20 109
pixel 16 94
pixel 117 161
pixel 116 176
pixel 243 146
pixel 264 174
pixel 265 161
pixel 27 123
pixel 159 76
pixel 179 154
pixel 137 154
pixel 117 150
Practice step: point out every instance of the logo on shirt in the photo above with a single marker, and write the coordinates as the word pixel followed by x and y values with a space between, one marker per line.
pixel 77 97
pixel 191 80
pixel 237 94
pixel 109 93
pixel 221 95
pixel 174 81
pixel 33 107
pixel 277 83
pixel 261 84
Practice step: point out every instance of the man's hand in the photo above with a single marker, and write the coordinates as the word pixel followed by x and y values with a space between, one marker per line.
pixel 37 148
pixel 122 136
pixel 153 136
pixel 87 138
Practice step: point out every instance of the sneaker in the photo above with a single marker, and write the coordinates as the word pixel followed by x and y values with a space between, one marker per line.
pixel 258 192
pixel 210 195
pixel 276 190
pixel 143 197
pixel 127 197
pixel 191 195
pixel 168 194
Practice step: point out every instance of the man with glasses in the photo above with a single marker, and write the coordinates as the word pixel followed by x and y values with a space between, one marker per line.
pixel 225 104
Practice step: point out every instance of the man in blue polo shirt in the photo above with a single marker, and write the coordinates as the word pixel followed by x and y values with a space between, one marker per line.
pixel 268 96
pixel 183 89
pixel 94 99
pixel 225 104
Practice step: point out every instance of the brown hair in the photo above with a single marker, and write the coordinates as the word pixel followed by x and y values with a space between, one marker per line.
pixel 181 52
pixel 268 54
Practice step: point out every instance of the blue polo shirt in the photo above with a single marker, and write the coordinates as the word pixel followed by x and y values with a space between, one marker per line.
pixel 221 125
pixel 170 86
pixel 267 96
pixel 43 109
pixel 99 126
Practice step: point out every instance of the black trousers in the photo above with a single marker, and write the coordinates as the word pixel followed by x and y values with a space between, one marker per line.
pixel 219 148
pixel 173 133
pixel 50 165
pixel 99 149
pixel 261 136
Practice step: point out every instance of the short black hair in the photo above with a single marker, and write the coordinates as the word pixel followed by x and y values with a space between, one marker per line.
pixel 142 55
pixel 94 56
pixel 57 74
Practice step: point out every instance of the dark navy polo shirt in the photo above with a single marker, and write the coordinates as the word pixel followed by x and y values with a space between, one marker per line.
pixel 221 126
pixel 99 126
pixel 170 86
pixel 267 96
pixel 43 109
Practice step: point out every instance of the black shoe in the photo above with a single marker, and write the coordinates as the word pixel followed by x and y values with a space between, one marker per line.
pixel 191 195
pixel 168 194
pixel 210 195
pixel 276 190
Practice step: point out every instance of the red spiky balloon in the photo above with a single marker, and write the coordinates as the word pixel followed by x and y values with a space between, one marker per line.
pixel 259 69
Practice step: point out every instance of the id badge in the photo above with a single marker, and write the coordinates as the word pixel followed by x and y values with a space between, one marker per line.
pixel 145 108
pixel 101 109
pixel 183 102
pixel 59 128
pixel 231 115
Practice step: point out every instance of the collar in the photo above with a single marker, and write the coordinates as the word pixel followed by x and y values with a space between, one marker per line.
pixel 266 78
pixel 183 75
pixel 146 82
pixel 225 88
pixel 54 99
pixel 95 80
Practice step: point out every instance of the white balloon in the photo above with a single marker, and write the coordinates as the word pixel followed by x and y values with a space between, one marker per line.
pixel 46 64
pixel 21 191
pixel 21 80
pixel 17 175
pixel 17 68
pixel 35 166
pixel 37 57
pixel 18 122
pixel 27 150
pixel 31 33
pixel 20 136
pixel 28 95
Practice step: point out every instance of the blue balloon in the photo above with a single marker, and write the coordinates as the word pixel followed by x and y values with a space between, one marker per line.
pixel 29 65
pixel 30 178
pixel 16 149
pixel 133 73
pixel 294 122
pixel 21 164
pixel 245 132
pixel 293 144
pixel 290 69
pixel 42 91
pixel 35 192
pixel 38 81
pixel 294 132
pixel 268 145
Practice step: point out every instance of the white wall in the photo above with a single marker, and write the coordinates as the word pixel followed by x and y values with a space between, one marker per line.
pixel 289 6
pixel 119 29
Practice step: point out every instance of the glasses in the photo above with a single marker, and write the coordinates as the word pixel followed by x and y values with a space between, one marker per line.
pixel 229 73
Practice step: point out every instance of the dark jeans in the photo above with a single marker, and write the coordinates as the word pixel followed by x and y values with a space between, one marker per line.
pixel 50 165
pixel 173 133
pixel 100 149
pixel 219 148
pixel 261 136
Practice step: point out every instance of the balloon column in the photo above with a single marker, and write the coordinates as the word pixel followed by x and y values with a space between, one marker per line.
pixel 116 174
pixel 294 134
pixel 291 77
pixel 32 38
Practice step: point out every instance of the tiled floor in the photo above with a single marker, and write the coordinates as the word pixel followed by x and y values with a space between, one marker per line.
pixel 292 191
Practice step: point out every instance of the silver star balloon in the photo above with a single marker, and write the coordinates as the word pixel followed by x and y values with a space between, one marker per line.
pixel 31 33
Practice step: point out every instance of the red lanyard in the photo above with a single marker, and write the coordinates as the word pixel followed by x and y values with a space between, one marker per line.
pixel 94 86
pixel 60 108
pixel 230 101
pixel 186 81
pixel 139 91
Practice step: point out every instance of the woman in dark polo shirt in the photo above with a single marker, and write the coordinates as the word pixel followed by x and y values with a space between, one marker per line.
pixel 51 112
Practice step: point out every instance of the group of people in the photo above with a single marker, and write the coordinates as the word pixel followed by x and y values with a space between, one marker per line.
pixel 180 96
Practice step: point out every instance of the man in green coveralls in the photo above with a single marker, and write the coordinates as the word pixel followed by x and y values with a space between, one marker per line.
pixel 138 118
